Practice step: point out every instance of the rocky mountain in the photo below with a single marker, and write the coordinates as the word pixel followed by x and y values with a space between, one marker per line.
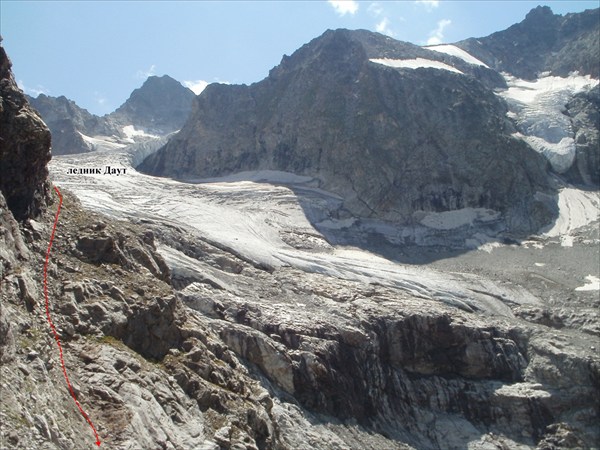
pixel 543 42
pixel 400 131
pixel 392 142
pixel 584 111
pixel 24 149
pixel 69 124
pixel 159 107
pixel 549 46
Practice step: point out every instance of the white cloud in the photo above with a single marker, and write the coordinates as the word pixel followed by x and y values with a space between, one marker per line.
pixel 100 98
pixel 143 74
pixel 32 91
pixel 437 36
pixel 196 86
pixel 383 27
pixel 430 5
pixel 343 7
pixel 375 9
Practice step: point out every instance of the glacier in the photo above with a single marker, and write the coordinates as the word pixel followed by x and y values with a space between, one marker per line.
pixel 537 109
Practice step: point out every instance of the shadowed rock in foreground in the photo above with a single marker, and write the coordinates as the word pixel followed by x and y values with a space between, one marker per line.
pixel 24 148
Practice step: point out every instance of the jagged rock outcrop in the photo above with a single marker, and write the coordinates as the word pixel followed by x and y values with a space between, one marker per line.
pixel 67 122
pixel 584 111
pixel 100 247
pixel 12 248
pixel 401 366
pixel 543 42
pixel 391 142
pixel 24 148
pixel 159 107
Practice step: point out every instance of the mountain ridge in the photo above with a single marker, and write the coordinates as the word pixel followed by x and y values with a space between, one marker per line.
pixel 317 108
pixel 24 149
pixel 543 42
pixel 159 107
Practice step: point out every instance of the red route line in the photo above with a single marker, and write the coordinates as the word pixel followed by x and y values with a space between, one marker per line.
pixel 56 336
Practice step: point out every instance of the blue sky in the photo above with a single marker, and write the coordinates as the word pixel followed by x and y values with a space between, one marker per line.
pixel 97 52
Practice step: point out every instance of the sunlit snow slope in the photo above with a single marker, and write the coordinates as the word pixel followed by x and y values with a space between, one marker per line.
pixel 416 63
pixel 458 52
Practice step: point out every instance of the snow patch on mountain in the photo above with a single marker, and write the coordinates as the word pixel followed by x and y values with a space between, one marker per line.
pixel 577 208
pixel 537 109
pixel 416 63
pixel 131 134
pixel 101 142
pixel 593 284
pixel 453 50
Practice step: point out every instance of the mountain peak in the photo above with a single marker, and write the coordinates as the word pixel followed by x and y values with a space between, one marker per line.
pixel 539 12
pixel 374 44
pixel 542 42
pixel 164 80
pixel 347 50
pixel 160 105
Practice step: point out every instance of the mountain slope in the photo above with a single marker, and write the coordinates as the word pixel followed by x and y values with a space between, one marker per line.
pixel 543 42
pixel 160 106
pixel 69 124
pixel 392 142
pixel 24 148
pixel 551 64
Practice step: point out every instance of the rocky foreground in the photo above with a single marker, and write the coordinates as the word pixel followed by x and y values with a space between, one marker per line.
pixel 235 356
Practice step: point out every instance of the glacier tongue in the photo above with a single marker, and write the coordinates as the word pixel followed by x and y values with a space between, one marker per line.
pixel 537 108
pixel 264 224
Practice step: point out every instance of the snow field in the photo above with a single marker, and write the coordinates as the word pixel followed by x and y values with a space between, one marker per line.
pixel 593 284
pixel 132 133
pixel 577 208
pixel 453 50
pixel 416 63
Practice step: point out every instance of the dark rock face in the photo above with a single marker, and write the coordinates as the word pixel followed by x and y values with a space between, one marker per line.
pixel 67 121
pixel 12 248
pixel 584 110
pixel 390 142
pixel 543 42
pixel 159 107
pixel 24 148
